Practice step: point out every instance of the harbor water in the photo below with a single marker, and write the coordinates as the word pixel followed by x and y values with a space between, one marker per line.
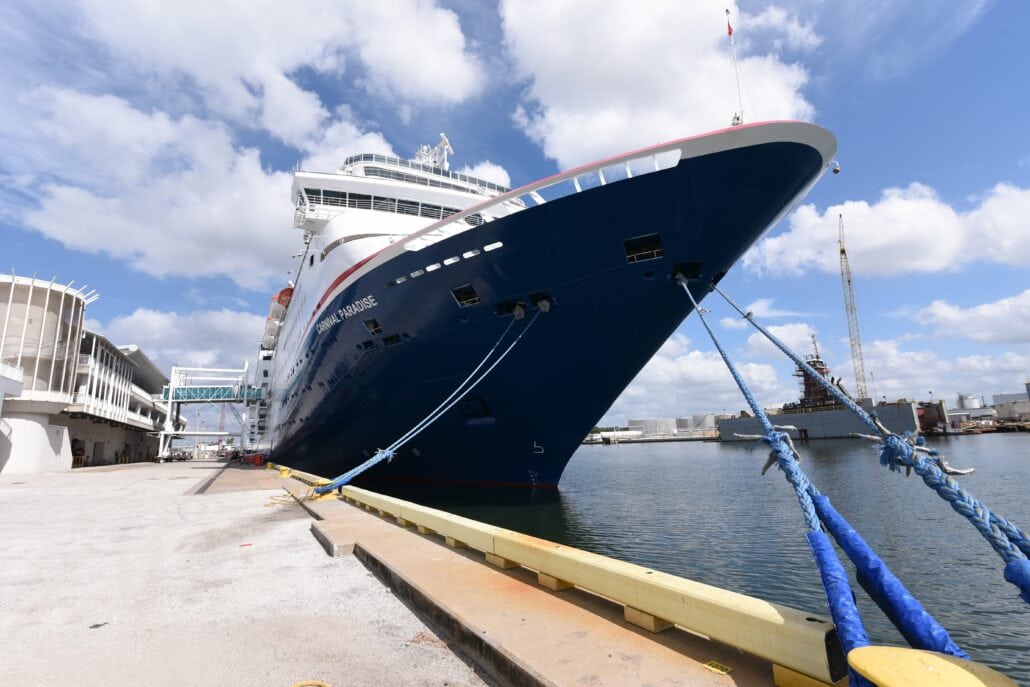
pixel 701 510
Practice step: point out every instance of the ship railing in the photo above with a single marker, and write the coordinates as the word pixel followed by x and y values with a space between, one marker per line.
pixel 553 188
pixel 417 166
pixel 314 205
pixel 622 167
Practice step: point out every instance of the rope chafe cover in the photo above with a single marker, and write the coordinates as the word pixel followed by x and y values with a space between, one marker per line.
pixel 850 632
pixel 1018 573
pixel 918 627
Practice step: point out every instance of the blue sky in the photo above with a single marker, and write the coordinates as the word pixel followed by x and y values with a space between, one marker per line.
pixel 146 149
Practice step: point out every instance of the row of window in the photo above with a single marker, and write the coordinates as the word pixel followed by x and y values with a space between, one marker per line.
pixel 386 159
pixel 364 201
pixel 411 179
pixel 446 261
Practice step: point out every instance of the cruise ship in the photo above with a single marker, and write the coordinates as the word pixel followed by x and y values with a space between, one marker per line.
pixel 409 275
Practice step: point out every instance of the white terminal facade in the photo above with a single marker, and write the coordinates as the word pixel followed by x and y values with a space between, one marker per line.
pixel 68 395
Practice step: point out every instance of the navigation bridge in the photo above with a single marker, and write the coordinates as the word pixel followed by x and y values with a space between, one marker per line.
pixel 203 385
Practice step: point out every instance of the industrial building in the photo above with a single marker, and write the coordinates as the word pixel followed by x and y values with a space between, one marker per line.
pixel 1013 407
pixel 68 396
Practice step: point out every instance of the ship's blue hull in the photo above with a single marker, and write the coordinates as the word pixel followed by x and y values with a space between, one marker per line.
pixel 609 315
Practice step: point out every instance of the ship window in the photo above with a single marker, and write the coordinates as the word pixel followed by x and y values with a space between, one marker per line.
pixel 373 326
pixel 407 207
pixel 264 373
pixel 334 198
pixel 492 246
pixel 431 211
pixel 465 295
pixel 447 212
pixel 359 200
pixel 470 253
pixel 311 261
pixel 384 204
pixel 391 340
pixel 400 280
pixel 451 260
pixel 643 248
pixel 367 345
pixel 432 268
pixel 314 195
pixel 417 273
pixel 474 408
pixel 474 219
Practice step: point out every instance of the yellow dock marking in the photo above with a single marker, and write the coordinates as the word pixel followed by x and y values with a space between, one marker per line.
pixel 717 667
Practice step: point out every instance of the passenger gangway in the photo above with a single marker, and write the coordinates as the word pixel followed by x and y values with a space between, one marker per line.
pixel 202 385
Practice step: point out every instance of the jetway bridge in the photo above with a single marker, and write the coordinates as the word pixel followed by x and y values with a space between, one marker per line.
pixel 192 385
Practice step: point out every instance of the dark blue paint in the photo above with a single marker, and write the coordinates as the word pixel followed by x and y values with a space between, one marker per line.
pixel 609 318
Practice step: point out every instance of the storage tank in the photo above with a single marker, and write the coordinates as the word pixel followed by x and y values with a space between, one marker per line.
pixel 969 401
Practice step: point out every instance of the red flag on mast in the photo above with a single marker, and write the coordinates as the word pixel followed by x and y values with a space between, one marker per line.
pixel 729 27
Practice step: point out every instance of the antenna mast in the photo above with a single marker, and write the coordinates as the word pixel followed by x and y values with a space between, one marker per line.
pixel 738 117
pixel 851 309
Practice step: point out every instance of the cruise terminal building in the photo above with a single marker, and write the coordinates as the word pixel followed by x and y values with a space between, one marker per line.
pixel 69 396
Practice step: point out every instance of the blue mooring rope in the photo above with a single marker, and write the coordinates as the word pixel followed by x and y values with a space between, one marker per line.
pixel 840 599
pixel 459 393
pixel 1005 538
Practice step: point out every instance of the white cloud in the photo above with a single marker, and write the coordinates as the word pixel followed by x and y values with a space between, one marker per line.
pixel 1004 321
pixel 238 53
pixel 620 78
pixel 787 31
pixel 488 171
pixel 340 140
pixel 418 49
pixel 680 381
pixel 797 337
pixel 242 56
pixel 887 39
pixel 170 196
pixel 914 374
pixel 168 338
pixel 762 309
pixel 908 230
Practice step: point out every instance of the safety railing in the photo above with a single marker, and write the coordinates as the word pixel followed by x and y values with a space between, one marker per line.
pixel 635 163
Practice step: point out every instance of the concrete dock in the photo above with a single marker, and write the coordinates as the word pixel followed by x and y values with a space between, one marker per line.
pixel 200 573
pixel 193 574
